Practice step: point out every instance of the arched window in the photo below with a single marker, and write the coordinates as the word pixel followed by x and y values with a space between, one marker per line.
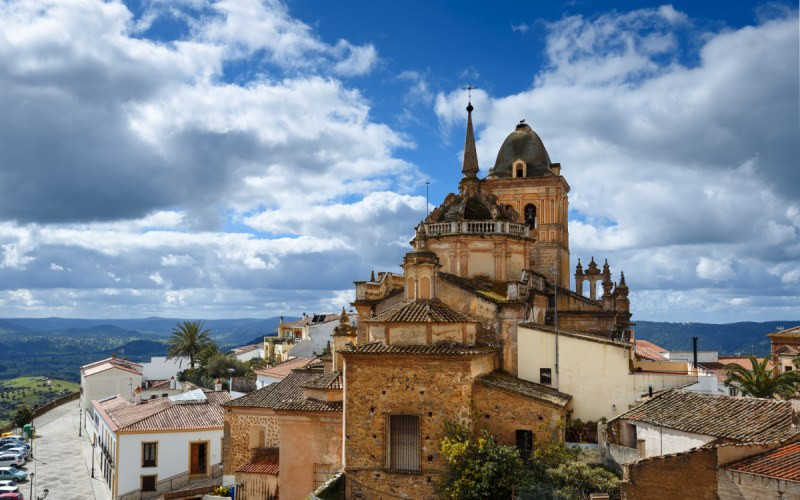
pixel 530 215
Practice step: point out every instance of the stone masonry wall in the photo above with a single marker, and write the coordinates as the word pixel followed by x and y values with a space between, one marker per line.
pixel 685 475
pixel 238 424
pixel 434 388
pixel 502 414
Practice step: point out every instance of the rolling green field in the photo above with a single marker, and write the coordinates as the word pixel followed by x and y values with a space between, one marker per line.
pixel 31 391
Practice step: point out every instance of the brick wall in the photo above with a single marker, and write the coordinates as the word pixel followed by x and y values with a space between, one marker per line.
pixel 684 475
pixel 238 423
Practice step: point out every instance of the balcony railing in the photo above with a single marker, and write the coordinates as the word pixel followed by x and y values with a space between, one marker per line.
pixel 477 227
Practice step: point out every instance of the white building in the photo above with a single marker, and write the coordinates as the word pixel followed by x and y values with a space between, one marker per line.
pixel 147 448
pixel 161 368
pixel 267 376
pixel 603 375
pixel 676 421
pixel 108 377
pixel 248 352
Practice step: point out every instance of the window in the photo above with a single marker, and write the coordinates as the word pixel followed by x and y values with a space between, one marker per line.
pixel 787 368
pixel 733 391
pixel 149 454
pixel 530 215
pixel 545 376
pixel 403 443
pixel 149 483
pixel 153 396
pixel 524 443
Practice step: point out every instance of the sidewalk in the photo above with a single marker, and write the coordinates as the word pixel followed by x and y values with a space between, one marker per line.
pixel 62 459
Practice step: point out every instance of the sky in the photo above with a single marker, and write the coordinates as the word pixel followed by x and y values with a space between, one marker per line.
pixel 250 158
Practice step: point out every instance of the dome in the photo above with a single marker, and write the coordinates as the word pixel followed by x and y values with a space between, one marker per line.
pixel 522 144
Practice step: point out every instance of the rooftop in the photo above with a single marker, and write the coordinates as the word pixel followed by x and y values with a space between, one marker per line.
pixel 741 419
pixel 650 351
pixel 788 332
pixel 266 461
pixel 164 413
pixel 109 364
pixel 422 311
pixel 781 463
pixel 377 347
pixel 288 393
pixel 524 388
pixel 282 370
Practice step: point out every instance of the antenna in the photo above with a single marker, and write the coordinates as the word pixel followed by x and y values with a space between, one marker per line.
pixel 427 204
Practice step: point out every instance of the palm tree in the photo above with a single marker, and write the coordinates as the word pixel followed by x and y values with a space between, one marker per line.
pixel 763 381
pixel 188 339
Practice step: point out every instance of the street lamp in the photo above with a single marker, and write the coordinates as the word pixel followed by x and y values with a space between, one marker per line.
pixel 79 420
pixel 230 380
pixel 33 475
pixel 46 491
pixel 94 443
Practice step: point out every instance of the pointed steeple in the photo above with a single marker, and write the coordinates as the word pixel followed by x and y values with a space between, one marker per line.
pixel 470 166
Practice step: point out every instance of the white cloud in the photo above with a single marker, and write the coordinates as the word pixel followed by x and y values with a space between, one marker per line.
pixel 714 269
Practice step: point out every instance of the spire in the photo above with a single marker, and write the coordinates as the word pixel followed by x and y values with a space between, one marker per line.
pixel 470 166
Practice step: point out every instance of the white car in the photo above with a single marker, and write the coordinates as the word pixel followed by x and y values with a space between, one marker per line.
pixel 8 482
pixel 7 459
pixel 9 489
pixel 24 451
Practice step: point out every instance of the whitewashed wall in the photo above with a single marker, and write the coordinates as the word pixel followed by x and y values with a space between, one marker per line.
pixel 108 383
pixel 663 441
pixel 173 455
pixel 160 369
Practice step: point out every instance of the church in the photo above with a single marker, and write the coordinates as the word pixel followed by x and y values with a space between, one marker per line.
pixel 439 342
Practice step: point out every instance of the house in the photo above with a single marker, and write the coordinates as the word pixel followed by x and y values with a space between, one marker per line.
pixel 650 351
pixel 785 345
pixel 266 376
pixel 307 337
pixel 602 373
pixel 108 377
pixel 148 447
pixel 248 352
pixel 675 421
pixel 717 369
pixel 286 435
pixel 731 471
pixel 152 389
pixel 161 368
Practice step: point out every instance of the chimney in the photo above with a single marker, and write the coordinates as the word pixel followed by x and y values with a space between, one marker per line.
pixel 694 353
pixel 137 395
pixel 113 356
pixel 172 383
pixel 218 385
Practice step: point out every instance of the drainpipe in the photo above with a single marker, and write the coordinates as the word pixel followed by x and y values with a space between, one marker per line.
pixel 694 354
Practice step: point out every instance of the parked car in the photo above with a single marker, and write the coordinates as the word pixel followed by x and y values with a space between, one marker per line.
pixel 9 489
pixel 10 447
pixel 12 439
pixel 26 453
pixel 12 496
pixel 8 459
pixel 13 473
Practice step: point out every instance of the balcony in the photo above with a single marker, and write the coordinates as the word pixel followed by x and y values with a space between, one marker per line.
pixel 477 227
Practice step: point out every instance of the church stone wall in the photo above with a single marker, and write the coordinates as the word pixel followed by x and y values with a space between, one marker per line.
pixel 240 425
pixel 436 389
pixel 502 413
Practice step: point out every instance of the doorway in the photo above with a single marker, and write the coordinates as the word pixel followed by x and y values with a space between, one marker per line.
pixel 198 458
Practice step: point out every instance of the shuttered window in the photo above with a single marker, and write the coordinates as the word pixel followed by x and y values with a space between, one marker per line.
pixel 148 483
pixel 403 443
pixel 149 454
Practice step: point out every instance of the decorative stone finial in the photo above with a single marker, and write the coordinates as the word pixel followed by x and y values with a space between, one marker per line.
pixel 372 276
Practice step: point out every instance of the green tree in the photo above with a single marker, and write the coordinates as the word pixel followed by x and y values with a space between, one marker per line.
pixel 23 416
pixel 763 380
pixel 478 467
pixel 188 339
pixel 218 364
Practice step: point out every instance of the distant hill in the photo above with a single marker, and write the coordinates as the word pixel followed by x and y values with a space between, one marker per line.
pixel 731 338
pixel 141 350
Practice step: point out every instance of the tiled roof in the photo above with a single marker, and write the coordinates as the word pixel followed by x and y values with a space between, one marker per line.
pixel 164 414
pixel 525 388
pixel 422 311
pixel 718 367
pixel 247 348
pixel 781 463
pixel 158 384
pixel 650 351
pixel 332 380
pixel 112 360
pixel 288 389
pixel 265 462
pixel 789 332
pixel 309 320
pixel 741 419
pixel 282 370
pixel 96 368
pixel 378 347
pixel 310 405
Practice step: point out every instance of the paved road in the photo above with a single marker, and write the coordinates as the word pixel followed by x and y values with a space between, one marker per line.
pixel 62 459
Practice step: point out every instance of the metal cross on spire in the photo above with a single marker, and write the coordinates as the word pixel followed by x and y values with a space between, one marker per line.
pixel 469 88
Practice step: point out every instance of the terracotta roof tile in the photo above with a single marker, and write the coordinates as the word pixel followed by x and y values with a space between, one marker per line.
pixel 782 463
pixel 96 368
pixel 332 380
pixel 422 311
pixel 282 370
pixel 648 350
pixel 288 389
pixel 789 332
pixel 525 388
pixel 310 405
pixel 378 347
pixel 265 462
pixel 741 419
pixel 163 414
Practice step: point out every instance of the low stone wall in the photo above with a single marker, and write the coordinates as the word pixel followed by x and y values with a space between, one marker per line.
pixel 41 410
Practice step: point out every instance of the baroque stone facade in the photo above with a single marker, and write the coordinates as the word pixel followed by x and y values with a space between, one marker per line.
pixel 247 429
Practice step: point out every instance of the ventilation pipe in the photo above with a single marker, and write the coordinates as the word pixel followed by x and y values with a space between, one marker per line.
pixel 694 353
